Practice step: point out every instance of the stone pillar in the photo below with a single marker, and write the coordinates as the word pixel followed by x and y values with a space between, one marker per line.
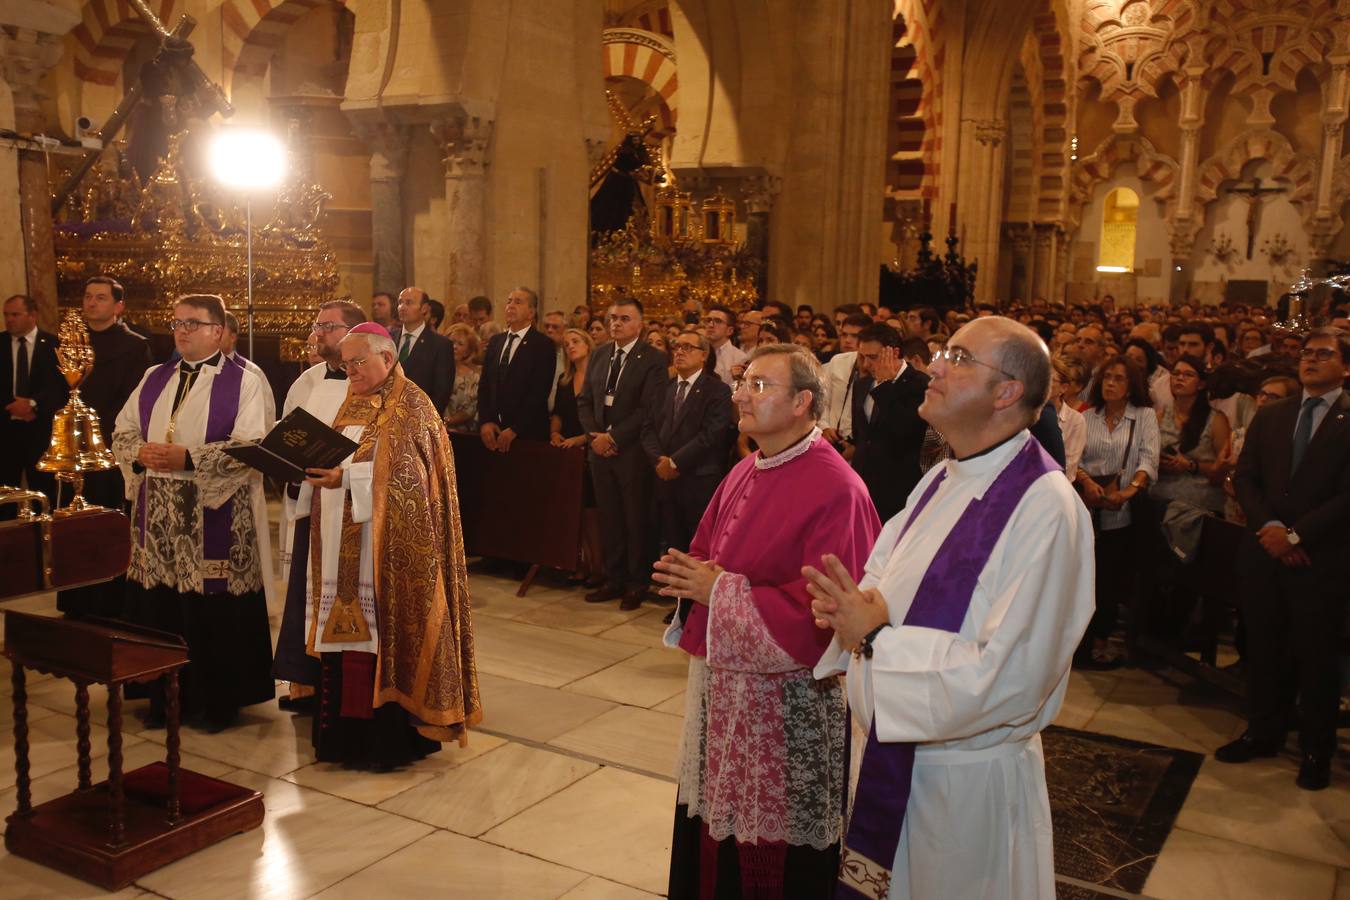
pixel 759 193
pixel 1323 226
pixel 388 164
pixel 981 205
pixel 28 53
pixel 1043 258
pixel 467 146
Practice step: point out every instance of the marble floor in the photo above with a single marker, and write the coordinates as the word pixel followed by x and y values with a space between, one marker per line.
pixel 566 791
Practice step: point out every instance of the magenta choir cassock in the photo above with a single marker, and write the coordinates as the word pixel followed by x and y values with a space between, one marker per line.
pixel 763 761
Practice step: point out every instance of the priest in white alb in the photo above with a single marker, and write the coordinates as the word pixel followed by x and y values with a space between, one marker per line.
pixel 320 391
pixel 200 556
pixel 958 639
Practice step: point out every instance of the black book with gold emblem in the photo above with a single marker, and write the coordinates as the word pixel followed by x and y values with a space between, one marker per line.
pixel 298 442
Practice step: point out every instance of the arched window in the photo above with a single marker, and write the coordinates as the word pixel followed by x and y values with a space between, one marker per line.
pixel 1120 218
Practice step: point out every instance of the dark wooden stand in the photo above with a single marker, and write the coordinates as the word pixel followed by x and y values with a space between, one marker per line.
pixel 113 832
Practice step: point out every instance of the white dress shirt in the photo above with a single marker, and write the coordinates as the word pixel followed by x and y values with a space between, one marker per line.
pixel 510 348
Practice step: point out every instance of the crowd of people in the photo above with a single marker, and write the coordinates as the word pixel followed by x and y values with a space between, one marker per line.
pixel 761 467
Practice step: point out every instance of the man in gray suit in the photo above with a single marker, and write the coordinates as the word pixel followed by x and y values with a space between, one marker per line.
pixel 624 383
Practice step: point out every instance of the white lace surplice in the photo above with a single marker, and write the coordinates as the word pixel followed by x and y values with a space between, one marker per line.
pixel 762 757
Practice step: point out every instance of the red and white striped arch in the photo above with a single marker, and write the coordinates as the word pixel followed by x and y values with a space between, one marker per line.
pixel 107 31
pixel 252 30
pixel 648 57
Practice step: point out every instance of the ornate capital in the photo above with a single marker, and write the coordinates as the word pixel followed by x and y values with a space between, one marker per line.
pixel 467 143
pixel 759 193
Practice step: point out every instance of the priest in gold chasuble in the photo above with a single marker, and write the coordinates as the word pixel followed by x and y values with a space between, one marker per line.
pixel 388 612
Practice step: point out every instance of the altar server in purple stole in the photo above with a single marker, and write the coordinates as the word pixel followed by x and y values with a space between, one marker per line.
pixel 201 562
pixel 763 765
pixel 957 641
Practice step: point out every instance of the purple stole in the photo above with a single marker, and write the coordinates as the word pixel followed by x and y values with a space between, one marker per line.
pixel 216 523
pixel 942 600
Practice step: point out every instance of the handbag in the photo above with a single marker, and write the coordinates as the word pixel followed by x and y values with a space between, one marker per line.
pixel 1113 481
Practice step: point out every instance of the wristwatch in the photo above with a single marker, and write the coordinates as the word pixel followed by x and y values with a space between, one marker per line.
pixel 1293 537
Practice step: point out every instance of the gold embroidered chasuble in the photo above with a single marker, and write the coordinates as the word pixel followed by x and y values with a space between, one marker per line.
pixel 425 659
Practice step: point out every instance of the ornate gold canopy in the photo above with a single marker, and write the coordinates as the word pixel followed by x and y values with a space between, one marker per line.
pixel 179 233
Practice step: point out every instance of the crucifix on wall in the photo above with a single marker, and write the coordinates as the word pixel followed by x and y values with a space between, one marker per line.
pixel 1253 192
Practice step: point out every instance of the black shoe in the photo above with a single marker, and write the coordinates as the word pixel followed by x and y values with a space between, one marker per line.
pixel 603 595
pixel 218 722
pixel 1315 772
pixel 632 600
pixel 1247 748
pixel 299 705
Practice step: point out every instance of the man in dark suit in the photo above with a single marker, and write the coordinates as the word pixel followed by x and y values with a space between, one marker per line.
pixel 517 377
pixel 624 380
pixel 887 430
pixel 686 441
pixel 121 357
pixel 1293 481
pixel 427 356
pixel 32 389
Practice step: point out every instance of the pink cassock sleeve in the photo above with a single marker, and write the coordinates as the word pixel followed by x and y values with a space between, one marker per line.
pixel 846 527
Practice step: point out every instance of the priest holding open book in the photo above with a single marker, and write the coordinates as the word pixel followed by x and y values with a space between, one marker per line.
pixel 388 613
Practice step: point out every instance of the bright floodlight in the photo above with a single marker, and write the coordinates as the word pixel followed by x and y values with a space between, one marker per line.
pixel 248 159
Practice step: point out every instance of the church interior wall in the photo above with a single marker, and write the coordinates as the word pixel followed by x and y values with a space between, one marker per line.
pixel 1151 280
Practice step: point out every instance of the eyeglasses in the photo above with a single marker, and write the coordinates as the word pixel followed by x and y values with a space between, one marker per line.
pixel 1321 354
pixel 756 385
pixel 684 345
pixel 959 356
pixel 326 327
pixel 189 325
pixel 716 320
pixel 351 365
pixel 1270 396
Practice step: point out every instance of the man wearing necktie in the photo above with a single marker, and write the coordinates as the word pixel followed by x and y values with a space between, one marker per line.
pixel 32 389
pixel 518 368
pixel 686 441
pixel 1293 481
pixel 427 356
pixel 624 380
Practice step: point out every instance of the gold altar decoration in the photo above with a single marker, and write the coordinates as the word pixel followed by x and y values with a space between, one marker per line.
pixel 77 444
pixel 180 233
pixel 684 250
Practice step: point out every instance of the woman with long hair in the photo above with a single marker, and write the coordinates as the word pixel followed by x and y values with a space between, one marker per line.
pixel 565 431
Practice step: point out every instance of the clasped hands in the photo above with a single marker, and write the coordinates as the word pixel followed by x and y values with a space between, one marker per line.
pixel 1097 497
pixel 162 457
pixel 496 438
pixel 21 408
pixel 838 603
pixel 602 442
pixel 686 577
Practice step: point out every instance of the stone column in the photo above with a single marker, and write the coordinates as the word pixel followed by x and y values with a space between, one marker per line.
pixel 1322 227
pixel 26 225
pixel 388 164
pixel 981 207
pixel 759 193
pixel 467 156
pixel 1043 264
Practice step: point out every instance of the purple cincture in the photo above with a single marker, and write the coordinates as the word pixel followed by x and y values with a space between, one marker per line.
pixel 941 601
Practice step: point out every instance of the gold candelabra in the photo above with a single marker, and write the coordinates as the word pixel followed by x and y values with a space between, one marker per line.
pixel 77 444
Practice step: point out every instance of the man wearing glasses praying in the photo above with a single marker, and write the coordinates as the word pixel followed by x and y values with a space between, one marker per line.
pixel 754 710
pixel 200 558
pixel 319 391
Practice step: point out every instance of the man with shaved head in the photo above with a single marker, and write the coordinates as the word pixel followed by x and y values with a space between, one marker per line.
pixel 957 640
